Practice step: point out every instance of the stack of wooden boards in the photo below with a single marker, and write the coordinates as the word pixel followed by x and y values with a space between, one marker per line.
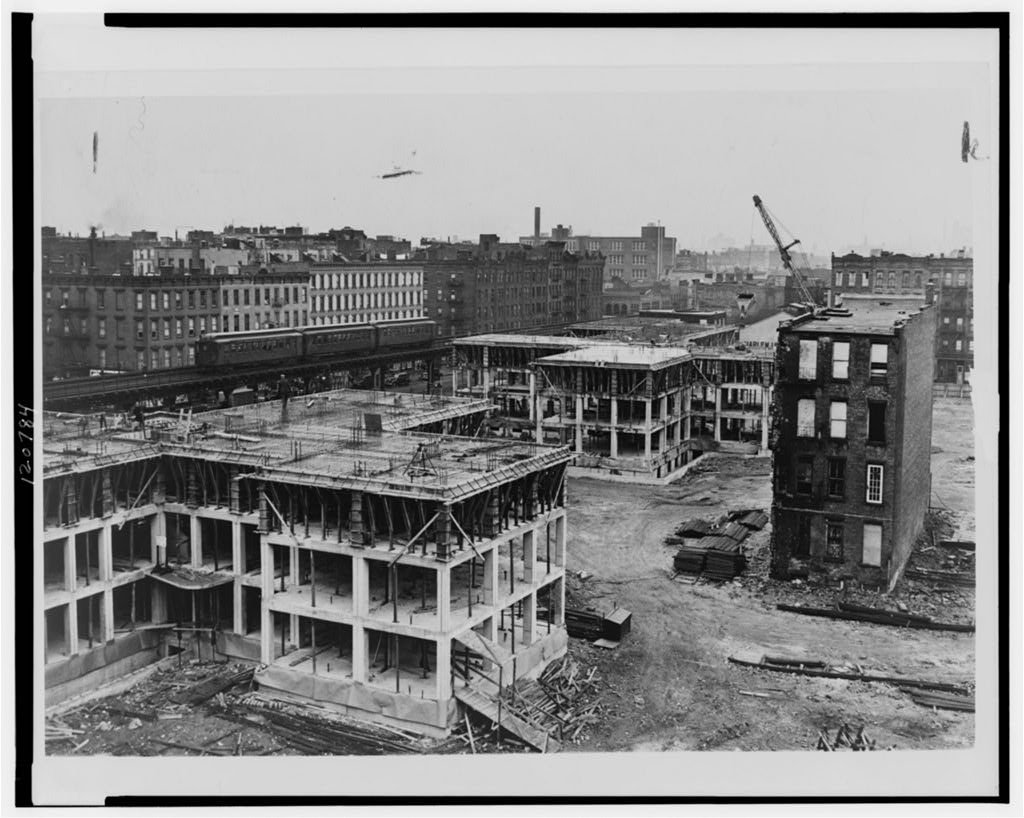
pixel 715 550
pixel 590 624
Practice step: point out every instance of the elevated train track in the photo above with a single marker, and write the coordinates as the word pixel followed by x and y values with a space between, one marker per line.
pixel 77 394
pixel 123 390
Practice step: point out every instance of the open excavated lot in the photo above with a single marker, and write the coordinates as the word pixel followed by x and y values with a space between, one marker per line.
pixel 672 687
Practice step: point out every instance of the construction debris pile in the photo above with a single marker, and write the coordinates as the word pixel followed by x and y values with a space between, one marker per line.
pixel 714 549
pixel 297 727
pixel 562 701
pixel 209 708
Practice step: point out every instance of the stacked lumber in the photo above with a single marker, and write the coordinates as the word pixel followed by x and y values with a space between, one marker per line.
pixel 861 613
pixel 689 559
pixel 734 531
pixel 584 624
pixel 754 520
pixel 694 528
pixel 315 736
pixel 942 701
pixel 725 560
pixel 963 579
pixel 813 667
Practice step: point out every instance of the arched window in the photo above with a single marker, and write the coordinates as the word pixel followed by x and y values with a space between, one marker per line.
pixel 892 281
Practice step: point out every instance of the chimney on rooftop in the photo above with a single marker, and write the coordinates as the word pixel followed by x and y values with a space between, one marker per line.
pixel 536 222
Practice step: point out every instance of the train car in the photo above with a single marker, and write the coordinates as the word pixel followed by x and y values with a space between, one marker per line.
pixel 410 332
pixel 354 338
pixel 248 348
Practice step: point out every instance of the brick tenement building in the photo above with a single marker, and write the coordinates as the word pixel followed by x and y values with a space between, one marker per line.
pixel 898 274
pixel 501 286
pixel 126 323
pixel 851 440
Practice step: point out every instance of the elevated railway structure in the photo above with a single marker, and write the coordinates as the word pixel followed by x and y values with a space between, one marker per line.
pixel 166 385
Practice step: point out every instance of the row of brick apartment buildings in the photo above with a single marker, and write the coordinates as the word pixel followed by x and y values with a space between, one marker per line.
pixel 898 275
pixel 144 322
pixel 145 253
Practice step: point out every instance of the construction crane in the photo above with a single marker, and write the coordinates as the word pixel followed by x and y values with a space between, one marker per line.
pixel 787 259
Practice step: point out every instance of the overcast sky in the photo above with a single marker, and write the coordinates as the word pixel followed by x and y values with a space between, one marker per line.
pixel 862 156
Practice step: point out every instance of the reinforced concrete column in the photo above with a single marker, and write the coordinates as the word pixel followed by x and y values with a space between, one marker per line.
pixel 538 418
pixel 106 556
pixel 195 538
pixel 266 595
pixel 558 601
pixel 613 435
pixel 765 406
pixel 579 423
pixel 70 578
pixel 533 394
pixel 559 555
pixel 238 568
pixel 444 601
pixel 360 586
pixel 108 494
pixel 529 555
pixel 107 616
pixel 647 428
pixel 159 602
pixel 360 667
pixel 71 627
pixel 486 373
pixel 663 408
pixel 687 394
pixel 718 413
pixel 455 381
pixel 159 544
pixel 443 671
pixel 490 580
pixel 529 618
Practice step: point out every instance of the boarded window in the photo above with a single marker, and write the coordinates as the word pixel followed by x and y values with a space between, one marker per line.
pixel 876 422
pixel 834 541
pixel 808 360
pixel 837 419
pixel 879 360
pixel 874 492
pixel 805 418
pixel 841 360
pixel 872 550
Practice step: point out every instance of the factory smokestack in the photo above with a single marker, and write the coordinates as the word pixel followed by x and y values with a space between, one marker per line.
pixel 536 222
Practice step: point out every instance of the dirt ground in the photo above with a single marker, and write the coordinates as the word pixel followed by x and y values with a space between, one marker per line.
pixel 672 687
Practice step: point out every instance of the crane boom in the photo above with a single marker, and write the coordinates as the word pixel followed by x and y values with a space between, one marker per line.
pixel 787 259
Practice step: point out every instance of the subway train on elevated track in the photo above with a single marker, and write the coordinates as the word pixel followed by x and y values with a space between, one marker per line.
pixel 224 349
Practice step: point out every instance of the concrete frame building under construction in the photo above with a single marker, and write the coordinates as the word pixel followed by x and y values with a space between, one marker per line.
pixel 362 562
pixel 628 410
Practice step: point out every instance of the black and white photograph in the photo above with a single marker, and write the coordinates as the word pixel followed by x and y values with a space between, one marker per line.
pixel 603 410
